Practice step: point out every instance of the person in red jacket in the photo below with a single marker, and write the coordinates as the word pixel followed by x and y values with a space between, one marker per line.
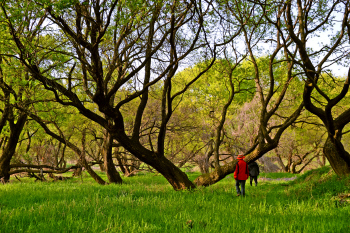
pixel 241 174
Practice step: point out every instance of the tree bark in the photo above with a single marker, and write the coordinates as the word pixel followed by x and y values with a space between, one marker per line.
pixel 86 165
pixel 77 171
pixel 280 162
pixel 173 174
pixel 112 173
pixel 121 164
pixel 177 178
pixel 102 166
pixel 10 148
pixel 204 162
pixel 216 175
pixel 339 160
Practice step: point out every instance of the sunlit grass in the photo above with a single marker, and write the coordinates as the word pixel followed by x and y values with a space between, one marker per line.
pixel 278 175
pixel 147 203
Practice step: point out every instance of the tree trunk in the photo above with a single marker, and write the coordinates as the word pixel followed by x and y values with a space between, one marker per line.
pixel 112 173
pixel 121 164
pixel 5 167
pixel 174 175
pixel 280 162
pixel 290 162
pixel 204 162
pixel 4 143
pixel 323 160
pixel 62 163
pixel 92 173
pixel 216 175
pixel 56 154
pixel 102 166
pixel 77 172
pixel 294 165
pixel 177 178
pixel 10 148
pixel 339 159
pixel 86 165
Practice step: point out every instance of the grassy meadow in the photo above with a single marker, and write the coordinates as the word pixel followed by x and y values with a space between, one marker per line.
pixel 317 201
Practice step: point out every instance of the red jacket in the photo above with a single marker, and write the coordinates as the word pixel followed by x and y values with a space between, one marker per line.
pixel 241 171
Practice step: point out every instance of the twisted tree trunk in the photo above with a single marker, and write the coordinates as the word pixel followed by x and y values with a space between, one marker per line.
pixel 10 147
pixel 338 158
pixel 112 173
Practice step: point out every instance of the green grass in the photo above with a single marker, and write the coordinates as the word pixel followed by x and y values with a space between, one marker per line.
pixel 278 175
pixel 147 203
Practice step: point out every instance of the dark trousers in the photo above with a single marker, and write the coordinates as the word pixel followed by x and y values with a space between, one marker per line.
pixel 242 183
pixel 255 178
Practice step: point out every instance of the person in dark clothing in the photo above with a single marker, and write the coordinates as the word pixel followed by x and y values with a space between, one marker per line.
pixel 253 173
pixel 241 175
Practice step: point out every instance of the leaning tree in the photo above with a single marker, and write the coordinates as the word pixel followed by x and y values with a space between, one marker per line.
pixel 109 46
pixel 304 21
pixel 12 121
pixel 14 88
pixel 271 82
pixel 116 45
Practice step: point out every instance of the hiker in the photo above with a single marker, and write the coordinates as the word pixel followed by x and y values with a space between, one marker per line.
pixel 253 172
pixel 241 175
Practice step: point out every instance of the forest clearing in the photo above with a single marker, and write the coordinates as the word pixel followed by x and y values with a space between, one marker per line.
pixel 317 201
pixel 157 115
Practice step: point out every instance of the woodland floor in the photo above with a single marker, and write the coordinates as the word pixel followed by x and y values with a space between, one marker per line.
pixel 317 201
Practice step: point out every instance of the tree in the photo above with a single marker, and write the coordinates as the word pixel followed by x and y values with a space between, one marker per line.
pixel 213 99
pixel 298 148
pixel 115 42
pixel 272 81
pixel 12 121
pixel 105 59
pixel 313 19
